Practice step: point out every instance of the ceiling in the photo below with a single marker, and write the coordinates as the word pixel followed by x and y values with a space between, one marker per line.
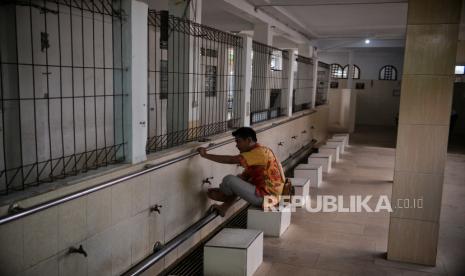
pixel 327 24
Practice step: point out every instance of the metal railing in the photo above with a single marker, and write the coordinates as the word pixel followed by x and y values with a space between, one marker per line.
pixel 269 82
pixel 303 84
pixel 61 90
pixel 195 75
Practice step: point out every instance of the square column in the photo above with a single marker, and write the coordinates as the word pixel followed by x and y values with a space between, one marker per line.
pixel 425 108
pixel 246 79
pixel 286 99
pixel 134 32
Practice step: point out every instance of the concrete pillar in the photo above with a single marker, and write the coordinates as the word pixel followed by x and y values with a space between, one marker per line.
pixel 350 70
pixel 425 106
pixel 135 79
pixel 315 77
pixel 262 33
pixel 288 68
pixel 246 79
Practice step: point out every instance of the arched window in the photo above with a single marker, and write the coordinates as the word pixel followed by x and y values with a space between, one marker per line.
pixel 388 72
pixel 336 71
pixel 355 72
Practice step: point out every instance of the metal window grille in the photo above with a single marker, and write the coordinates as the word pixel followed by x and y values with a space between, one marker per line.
pixel 322 83
pixel 200 88
pixel 355 72
pixel 388 72
pixel 336 71
pixel 61 89
pixel 269 82
pixel 303 84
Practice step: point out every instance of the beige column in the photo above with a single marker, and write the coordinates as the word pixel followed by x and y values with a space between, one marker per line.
pixel 425 106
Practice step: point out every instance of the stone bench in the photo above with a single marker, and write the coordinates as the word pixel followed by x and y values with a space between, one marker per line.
pixel 336 142
pixel 233 252
pixel 301 188
pixel 323 159
pixel 273 224
pixel 345 135
pixel 333 150
pixel 312 171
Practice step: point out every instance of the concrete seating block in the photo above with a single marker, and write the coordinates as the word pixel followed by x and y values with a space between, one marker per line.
pixel 333 150
pixel 312 171
pixel 301 188
pixel 340 138
pixel 345 135
pixel 323 159
pixel 233 252
pixel 333 142
pixel 273 224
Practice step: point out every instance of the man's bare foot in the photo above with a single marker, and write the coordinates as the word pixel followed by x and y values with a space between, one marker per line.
pixel 220 209
pixel 217 195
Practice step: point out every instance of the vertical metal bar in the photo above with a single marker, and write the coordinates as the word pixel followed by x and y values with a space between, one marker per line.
pixel 122 79
pixel 19 111
pixel 104 87
pixel 84 96
pixel 170 132
pixel 34 92
pixel 114 68
pixel 95 87
pixel 61 93
pixel 157 96
pixel 185 74
pixel 148 83
pixel 72 88
pixel 3 124
pixel 48 96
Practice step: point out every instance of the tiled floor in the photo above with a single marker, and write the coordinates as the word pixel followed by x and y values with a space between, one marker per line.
pixel 356 243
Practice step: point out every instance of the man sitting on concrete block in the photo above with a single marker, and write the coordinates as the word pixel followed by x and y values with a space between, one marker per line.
pixel 262 175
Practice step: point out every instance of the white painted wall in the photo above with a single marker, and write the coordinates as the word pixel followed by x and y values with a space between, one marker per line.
pixel 376 104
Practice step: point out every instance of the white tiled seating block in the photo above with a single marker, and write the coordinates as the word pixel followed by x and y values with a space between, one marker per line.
pixel 340 138
pixel 333 142
pixel 301 188
pixel 346 135
pixel 273 224
pixel 233 252
pixel 312 171
pixel 333 150
pixel 323 159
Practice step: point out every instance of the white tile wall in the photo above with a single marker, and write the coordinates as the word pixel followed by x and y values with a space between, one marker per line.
pixel 47 267
pixel 140 193
pixel 98 212
pixel 115 226
pixel 140 242
pixel 11 244
pixel 121 239
pixel 121 202
pixel 40 236
pixel 72 223
pixel 73 264
pixel 99 254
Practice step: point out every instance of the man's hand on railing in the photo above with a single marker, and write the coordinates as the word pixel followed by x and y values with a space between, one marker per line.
pixel 202 151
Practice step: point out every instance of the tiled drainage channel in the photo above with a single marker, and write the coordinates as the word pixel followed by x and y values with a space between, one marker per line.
pixel 192 264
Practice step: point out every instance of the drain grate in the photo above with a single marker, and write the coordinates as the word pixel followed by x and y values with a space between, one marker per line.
pixel 192 264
